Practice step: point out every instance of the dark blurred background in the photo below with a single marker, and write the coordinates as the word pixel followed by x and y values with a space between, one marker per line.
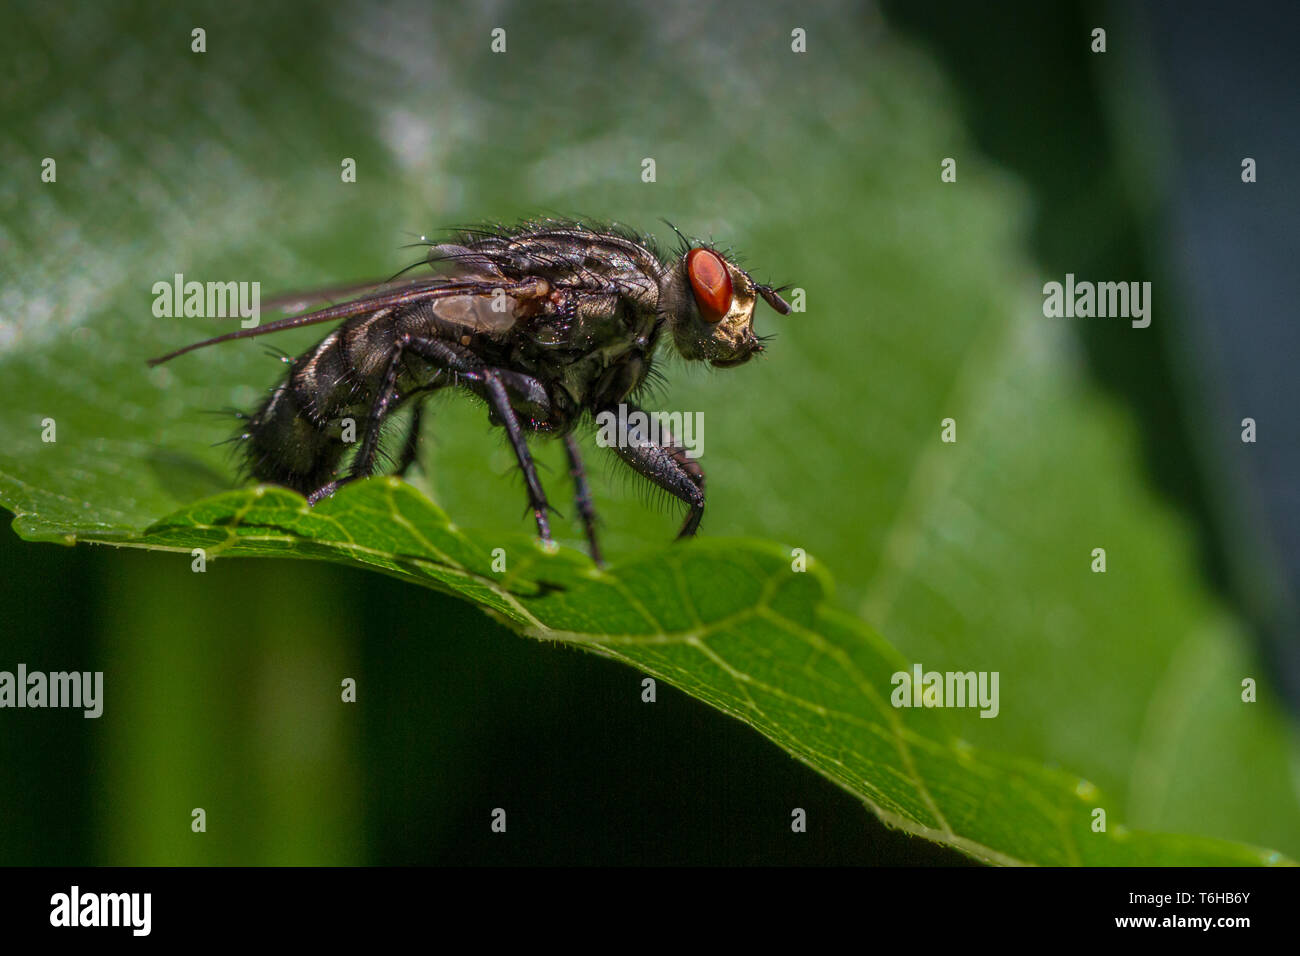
pixel 446 730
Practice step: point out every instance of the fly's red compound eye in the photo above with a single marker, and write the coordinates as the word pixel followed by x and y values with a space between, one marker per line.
pixel 711 283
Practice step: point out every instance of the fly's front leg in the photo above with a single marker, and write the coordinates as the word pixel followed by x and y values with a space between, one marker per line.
pixel 582 496
pixel 669 467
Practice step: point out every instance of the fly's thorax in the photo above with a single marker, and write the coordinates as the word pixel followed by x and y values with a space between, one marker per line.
pixel 709 304
pixel 608 373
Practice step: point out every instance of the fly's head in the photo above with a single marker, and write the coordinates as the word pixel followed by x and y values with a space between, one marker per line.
pixel 709 304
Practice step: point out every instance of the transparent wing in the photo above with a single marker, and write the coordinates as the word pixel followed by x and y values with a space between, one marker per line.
pixel 477 303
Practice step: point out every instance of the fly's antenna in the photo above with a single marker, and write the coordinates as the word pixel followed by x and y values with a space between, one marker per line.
pixel 773 297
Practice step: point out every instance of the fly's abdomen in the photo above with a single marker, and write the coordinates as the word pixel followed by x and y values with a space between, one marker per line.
pixel 296 439
pixel 287 447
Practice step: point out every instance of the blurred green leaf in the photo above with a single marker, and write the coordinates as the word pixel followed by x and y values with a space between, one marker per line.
pixel 824 168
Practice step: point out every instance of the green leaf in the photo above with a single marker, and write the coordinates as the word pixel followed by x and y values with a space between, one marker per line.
pixel 729 622
pixel 921 306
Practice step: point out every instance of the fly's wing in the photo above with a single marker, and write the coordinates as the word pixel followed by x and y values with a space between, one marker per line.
pixel 465 301
pixel 472 301
pixel 454 262
pixel 292 303
pixel 493 314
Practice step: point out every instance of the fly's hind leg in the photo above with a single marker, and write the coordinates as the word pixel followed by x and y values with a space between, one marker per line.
pixel 411 448
pixel 364 463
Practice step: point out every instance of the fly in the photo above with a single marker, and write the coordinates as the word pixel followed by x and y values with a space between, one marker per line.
pixel 549 322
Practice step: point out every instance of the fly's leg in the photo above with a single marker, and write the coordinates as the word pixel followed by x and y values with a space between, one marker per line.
pixel 436 352
pixel 466 366
pixel 499 399
pixel 582 496
pixel 492 384
pixel 364 462
pixel 412 447
pixel 669 467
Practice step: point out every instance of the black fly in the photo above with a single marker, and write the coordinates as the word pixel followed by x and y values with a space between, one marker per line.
pixel 548 322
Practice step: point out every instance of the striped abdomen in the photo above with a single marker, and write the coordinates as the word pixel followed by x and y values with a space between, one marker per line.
pixel 296 438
